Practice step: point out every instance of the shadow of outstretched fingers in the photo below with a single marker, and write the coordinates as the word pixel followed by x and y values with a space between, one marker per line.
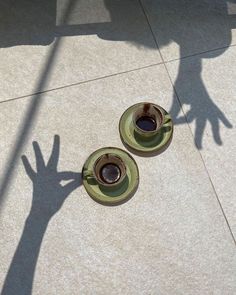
pixel 48 197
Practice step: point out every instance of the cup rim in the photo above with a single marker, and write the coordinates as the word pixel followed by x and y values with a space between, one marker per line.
pixel 122 169
pixel 140 109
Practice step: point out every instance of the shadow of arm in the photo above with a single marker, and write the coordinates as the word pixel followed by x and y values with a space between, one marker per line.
pixel 20 275
pixel 82 29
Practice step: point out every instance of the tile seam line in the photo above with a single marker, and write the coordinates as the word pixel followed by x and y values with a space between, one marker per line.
pixel 82 82
pixel 178 99
pixel 197 54
pixel 163 62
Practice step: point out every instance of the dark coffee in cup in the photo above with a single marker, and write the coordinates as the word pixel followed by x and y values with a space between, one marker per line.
pixel 110 173
pixel 146 123
pixel 109 170
pixel 148 120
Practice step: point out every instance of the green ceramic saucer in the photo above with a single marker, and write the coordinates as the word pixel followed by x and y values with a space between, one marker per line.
pixel 137 144
pixel 111 196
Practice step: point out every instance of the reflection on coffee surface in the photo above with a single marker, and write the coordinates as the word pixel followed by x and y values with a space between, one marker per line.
pixel 110 173
pixel 146 123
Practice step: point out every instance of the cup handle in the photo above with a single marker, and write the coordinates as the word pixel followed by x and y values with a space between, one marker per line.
pixel 167 119
pixel 88 174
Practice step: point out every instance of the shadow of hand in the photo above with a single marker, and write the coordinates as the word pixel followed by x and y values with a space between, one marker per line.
pixel 212 114
pixel 48 197
pixel 48 192
pixel 203 110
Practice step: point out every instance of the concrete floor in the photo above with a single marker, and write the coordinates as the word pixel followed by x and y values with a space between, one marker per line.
pixel 71 68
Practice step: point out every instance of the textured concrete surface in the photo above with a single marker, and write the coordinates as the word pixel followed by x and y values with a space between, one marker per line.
pixel 171 236
pixel 185 27
pixel 177 234
pixel 211 108
pixel 91 44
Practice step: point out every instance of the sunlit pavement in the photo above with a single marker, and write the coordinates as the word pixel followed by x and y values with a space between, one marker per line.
pixel 71 68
